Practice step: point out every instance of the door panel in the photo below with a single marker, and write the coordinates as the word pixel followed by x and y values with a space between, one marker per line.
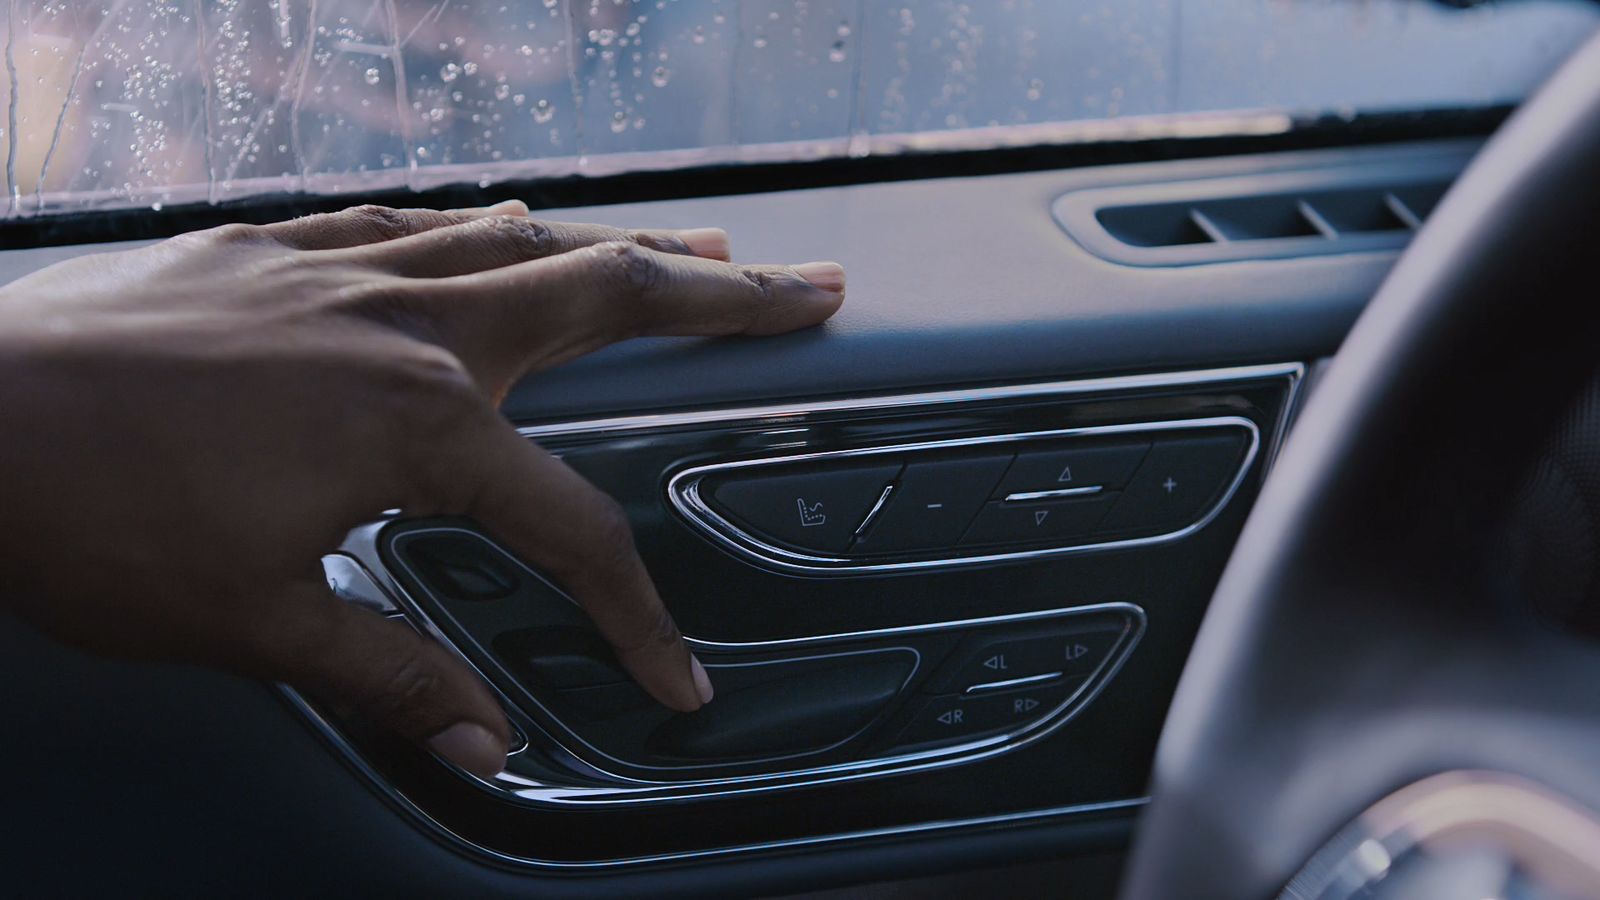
pixel 975 328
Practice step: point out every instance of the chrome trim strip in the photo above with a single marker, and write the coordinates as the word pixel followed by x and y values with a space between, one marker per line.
pixel 1011 682
pixel 353 756
pixel 930 398
pixel 683 491
pixel 1286 417
pixel 873 512
pixel 1051 495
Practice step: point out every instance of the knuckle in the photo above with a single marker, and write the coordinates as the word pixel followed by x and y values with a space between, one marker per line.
pixel 233 233
pixel 654 629
pixel 607 542
pixel 663 243
pixel 382 223
pixel 519 237
pixel 663 630
pixel 764 283
pixel 409 683
pixel 631 270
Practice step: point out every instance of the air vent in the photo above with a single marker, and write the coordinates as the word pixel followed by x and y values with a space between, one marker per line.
pixel 1279 215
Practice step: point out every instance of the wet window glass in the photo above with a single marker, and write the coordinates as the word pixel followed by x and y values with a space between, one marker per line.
pixel 136 103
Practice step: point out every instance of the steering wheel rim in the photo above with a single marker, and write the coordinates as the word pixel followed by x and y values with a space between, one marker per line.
pixel 1362 637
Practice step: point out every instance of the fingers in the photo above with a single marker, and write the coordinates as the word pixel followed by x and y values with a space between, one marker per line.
pixel 388 673
pixel 543 312
pixel 361 225
pixel 492 242
pixel 548 515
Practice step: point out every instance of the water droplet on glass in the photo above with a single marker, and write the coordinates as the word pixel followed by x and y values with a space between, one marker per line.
pixel 660 76
pixel 450 72
pixel 543 110
pixel 836 53
pixel 502 91
pixel 619 121
pixel 373 76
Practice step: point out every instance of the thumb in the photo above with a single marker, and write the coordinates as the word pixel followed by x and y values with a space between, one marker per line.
pixel 386 672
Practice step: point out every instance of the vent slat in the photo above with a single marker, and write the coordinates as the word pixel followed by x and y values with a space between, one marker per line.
pixel 1329 215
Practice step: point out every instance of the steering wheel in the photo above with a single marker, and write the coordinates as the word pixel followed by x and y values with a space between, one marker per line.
pixel 1380 622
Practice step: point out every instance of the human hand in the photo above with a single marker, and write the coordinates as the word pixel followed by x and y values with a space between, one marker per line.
pixel 190 426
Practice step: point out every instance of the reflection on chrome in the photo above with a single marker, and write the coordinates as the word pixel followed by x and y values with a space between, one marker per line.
pixel 1459 835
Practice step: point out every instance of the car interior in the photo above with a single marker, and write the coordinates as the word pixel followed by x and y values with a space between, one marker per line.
pixel 1192 504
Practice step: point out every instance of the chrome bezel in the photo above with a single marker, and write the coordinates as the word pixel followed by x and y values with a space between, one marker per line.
pixel 683 490
pixel 1550 838
pixel 629 789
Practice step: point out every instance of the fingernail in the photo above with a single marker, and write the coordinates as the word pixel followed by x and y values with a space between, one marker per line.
pixel 826 275
pixel 508 208
pixel 472 747
pixel 711 243
pixel 702 681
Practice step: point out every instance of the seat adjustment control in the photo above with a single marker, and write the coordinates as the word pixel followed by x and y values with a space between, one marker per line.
pixel 964 717
pixel 1020 656
pixel 805 711
pixel 972 499
pixel 933 503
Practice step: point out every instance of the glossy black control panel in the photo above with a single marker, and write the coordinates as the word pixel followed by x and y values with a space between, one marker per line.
pixel 982 681
pixel 781 706
pixel 1000 496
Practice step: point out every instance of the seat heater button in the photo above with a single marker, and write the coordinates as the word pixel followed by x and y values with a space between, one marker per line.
pixel 1178 481
pixel 1072 463
pixel 933 504
pixel 811 508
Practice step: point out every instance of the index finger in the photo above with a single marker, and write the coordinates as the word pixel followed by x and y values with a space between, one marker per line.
pixel 541 313
pixel 548 515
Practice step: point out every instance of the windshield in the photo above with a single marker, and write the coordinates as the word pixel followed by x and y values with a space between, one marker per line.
pixel 129 103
